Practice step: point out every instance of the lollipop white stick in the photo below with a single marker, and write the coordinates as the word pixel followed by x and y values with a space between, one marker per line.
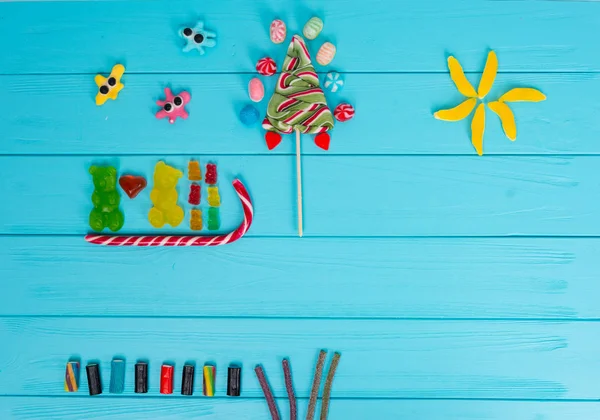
pixel 299 182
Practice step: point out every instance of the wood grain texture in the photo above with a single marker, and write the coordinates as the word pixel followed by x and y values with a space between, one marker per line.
pixel 411 267
pixel 57 115
pixel 397 359
pixel 343 196
pixel 289 278
pixel 124 408
pixel 87 37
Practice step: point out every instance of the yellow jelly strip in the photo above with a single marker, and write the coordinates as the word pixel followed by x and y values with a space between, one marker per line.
pixel 507 118
pixel 477 129
pixel 457 113
pixel 523 95
pixel 489 75
pixel 459 78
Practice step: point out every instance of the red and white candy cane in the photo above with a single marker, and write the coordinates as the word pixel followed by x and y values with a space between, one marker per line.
pixel 164 240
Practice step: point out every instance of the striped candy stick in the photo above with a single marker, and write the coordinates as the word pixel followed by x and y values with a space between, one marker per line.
pixel 164 240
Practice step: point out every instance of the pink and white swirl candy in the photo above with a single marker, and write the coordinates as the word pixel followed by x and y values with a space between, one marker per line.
pixel 266 66
pixel 278 31
pixel 343 112
pixel 163 240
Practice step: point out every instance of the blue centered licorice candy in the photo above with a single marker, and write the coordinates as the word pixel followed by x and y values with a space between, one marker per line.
pixel 117 376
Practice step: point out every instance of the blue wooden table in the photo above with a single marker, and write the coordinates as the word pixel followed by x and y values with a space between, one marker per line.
pixel 456 286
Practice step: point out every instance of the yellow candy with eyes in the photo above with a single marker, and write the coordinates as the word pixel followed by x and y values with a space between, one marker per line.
pixel 109 87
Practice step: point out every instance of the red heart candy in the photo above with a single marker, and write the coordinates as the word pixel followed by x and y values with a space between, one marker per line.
pixel 273 139
pixel 132 185
pixel 322 140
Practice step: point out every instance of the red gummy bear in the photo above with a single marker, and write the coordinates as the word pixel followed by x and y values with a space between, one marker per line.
pixel 194 197
pixel 211 174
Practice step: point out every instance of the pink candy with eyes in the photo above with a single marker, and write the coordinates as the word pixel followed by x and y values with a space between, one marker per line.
pixel 174 105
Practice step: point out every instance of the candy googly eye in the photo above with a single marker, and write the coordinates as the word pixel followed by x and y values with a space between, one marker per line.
pixel 177 101
pixel 168 107
pixel 104 89
pixel 198 38
pixel 112 81
pixel 188 32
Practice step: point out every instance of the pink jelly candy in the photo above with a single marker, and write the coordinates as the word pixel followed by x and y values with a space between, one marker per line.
pixel 173 106
pixel 256 90
pixel 211 174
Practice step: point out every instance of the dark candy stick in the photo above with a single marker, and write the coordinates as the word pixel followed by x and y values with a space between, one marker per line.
pixel 234 380
pixel 93 376
pixel 262 380
pixel 141 378
pixel 187 380
pixel 289 386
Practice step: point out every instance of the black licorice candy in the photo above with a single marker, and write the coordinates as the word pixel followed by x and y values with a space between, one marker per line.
pixel 187 380
pixel 141 378
pixel 93 376
pixel 234 380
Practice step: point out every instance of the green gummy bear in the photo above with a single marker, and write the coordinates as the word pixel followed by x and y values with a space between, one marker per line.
pixel 106 199
pixel 213 218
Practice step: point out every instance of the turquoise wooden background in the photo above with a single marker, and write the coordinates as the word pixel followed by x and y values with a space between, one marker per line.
pixel 455 286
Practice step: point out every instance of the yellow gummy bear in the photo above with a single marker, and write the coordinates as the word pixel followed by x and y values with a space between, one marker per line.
pixel 214 200
pixel 196 219
pixel 164 197
pixel 109 87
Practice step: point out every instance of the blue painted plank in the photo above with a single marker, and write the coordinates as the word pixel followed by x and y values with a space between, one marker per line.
pixel 57 115
pixel 83 37
pixel 383 359
pixel 343 196
pixel 290 278
pixel 67 408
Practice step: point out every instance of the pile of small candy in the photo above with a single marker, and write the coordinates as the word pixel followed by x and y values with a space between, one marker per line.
pixel 106 198
pixel 333 82
pixel 167 371
pixel 214 199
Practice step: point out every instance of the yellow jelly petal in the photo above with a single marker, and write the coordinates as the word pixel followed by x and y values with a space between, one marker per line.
pixel 507 118
pixel 477 129
pixel 523 95
pixel 457 113
pixel 489 75
pixel 459 79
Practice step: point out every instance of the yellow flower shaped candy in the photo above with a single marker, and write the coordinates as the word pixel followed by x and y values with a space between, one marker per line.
pixel 499 107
